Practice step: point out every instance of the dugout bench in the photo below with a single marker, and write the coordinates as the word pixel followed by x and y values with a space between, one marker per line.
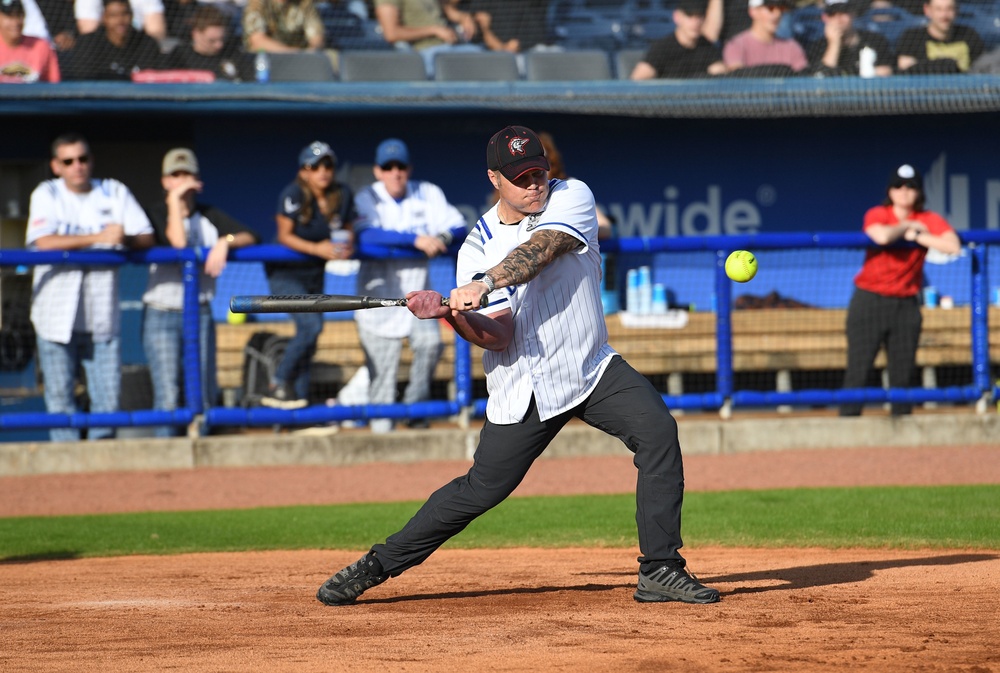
pixel 778 340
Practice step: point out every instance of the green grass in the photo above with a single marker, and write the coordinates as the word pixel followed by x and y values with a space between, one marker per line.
pixel 898 517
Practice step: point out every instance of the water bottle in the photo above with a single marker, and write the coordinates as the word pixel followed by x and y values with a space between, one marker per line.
pixel 632 291
pixel 930 296
pixel 866 62
pixel 659 305
pixel 262 67
pixel 645 290
pixel 341 238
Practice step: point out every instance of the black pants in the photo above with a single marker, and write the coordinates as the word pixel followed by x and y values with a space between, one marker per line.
pixel 623 404
pixel 874 320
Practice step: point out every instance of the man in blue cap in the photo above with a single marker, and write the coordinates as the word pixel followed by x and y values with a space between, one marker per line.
pixel 413 215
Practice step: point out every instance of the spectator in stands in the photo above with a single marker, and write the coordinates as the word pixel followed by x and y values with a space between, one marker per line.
pixel 759 47
pixel 75 309
pixel 282 26
pixel 180 221
pixel 410 215
pixel 941 46
pixel 684 53
pixel 115 50
pixel 311 210
pixel 146 13
pixel 885 308
pixel 23 58
pixel 515 26
pixel 429 26
pixel 60 22
pixel 838 52
pixel 210 48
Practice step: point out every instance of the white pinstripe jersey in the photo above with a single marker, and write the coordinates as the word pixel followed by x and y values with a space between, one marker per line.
pixel 70 298
pixel 560 349
pixel 424 210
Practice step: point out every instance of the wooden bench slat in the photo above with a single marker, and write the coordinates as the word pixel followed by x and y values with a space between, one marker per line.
pixel 763 339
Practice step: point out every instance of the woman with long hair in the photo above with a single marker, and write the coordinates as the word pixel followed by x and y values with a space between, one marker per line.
pixel 315 217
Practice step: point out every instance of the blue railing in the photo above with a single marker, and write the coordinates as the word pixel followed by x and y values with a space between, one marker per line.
pixel 724 396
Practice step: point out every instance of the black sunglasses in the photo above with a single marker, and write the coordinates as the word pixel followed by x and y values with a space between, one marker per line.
pixel 394 164
pixel 83 159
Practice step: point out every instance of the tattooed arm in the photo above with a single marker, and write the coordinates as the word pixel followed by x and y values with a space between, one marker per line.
pixel 524 262
pixel 528 259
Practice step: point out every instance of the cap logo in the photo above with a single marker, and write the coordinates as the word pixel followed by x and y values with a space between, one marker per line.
pixel 516 145
pixel 906 172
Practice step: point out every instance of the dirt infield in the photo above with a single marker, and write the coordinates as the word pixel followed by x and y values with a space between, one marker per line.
pixel 509 610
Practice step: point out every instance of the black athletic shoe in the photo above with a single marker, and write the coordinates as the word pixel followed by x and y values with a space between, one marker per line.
pixel 282 397
pixel 345 587
pixel 667 584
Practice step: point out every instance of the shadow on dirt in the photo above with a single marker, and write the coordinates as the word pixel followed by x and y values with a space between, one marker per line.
pixel 450 595
pixel 805 577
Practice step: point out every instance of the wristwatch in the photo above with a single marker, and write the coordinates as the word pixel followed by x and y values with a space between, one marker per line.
pixel 230 238
pixel 483 277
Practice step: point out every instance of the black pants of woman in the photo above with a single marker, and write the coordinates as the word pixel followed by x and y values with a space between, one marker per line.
pixel 874 320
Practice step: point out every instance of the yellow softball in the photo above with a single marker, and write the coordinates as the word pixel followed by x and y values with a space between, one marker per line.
pixel 741 266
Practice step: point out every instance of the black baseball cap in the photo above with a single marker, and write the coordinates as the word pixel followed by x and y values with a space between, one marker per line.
pixel 848 6
pixel 515 150
pixel 11 7
pixel 906 175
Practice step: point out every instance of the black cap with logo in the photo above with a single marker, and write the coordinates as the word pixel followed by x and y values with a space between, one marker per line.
pixel 515 150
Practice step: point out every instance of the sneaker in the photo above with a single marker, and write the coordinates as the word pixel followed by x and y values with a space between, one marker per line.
pixel 282 397
pixel 667 584
pixel 345 587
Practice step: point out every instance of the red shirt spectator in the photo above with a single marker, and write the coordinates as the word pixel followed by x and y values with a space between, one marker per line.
pixel 23 58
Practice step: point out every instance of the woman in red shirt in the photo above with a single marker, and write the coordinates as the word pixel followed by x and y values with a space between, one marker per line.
pixel 885 308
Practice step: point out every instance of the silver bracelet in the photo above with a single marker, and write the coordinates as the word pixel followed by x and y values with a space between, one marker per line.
pixel 485 279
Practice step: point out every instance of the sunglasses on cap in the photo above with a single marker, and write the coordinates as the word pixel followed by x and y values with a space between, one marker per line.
pixel 323 163
pixel 83 159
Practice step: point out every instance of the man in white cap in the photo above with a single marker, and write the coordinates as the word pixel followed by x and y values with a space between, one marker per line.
pixel 759 46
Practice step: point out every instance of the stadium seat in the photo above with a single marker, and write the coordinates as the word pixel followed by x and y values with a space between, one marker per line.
pixel 807 24
pixel 578 65
pixel 382 66
pixel 890 22
pixel 486 66
pixel 583 32
pixel 304 66
pixel 648 21
pixel 985 19
pixel 625 61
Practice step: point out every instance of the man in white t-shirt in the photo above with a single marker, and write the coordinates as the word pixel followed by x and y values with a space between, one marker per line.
pixel 535 254
pixel 75 309
pixel 400 214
